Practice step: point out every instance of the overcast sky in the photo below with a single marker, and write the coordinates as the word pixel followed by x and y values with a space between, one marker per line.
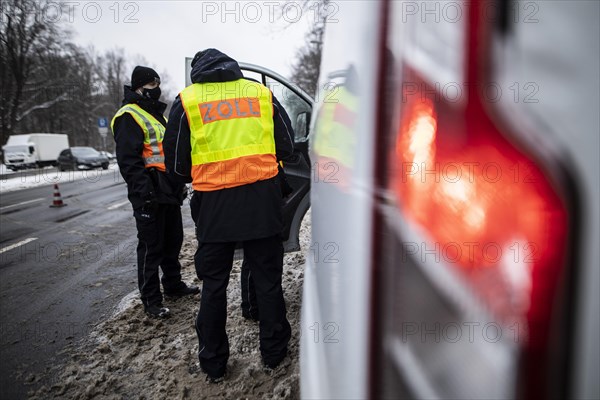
pixel 165 32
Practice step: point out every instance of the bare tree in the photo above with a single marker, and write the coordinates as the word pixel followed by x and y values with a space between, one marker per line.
pixel 22 35
pixel 305 70
pixel 113 71
pixel 49 84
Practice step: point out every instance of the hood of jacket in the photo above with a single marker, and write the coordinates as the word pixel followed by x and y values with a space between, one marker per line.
pixel 215 66
pixel 155 107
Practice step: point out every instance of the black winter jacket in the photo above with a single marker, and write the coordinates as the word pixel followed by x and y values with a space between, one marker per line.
pixel 142 183
pixel 241 213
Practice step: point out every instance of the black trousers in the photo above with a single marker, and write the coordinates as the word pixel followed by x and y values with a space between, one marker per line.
pixel 160 236
pixel 213 265
pixel 249 303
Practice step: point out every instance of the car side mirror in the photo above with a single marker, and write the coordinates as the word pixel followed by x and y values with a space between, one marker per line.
pixel 31 149
pixel 302 125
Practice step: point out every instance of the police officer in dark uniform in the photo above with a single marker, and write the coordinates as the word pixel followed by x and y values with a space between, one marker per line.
pixel 226 135
pixel 138 129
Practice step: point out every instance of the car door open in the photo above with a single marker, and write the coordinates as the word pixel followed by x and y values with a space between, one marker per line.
pixel 298 106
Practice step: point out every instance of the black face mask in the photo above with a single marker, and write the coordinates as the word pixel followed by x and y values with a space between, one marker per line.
pixel 153 94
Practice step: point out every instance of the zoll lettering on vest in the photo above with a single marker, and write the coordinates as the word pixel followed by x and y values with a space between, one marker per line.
pixel 231 133
pixel 229 109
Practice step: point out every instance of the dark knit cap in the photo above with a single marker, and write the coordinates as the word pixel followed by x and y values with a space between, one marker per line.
pixel 142 75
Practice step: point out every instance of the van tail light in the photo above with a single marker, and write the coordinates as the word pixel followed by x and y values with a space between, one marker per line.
pixel 487 207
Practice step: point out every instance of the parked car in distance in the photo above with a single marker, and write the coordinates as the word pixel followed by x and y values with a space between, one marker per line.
pixel 77 158
pixel 108 155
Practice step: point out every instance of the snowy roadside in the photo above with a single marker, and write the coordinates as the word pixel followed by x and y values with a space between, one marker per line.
pixel 4 170
pixel 132 356
pixel 50 176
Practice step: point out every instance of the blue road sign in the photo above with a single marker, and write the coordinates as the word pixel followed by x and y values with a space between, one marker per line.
pixel 102 122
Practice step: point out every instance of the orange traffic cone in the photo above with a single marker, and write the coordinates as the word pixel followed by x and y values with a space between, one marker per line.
pixel 57 202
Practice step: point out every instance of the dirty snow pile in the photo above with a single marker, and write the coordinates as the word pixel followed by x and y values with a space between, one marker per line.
pixel 133 356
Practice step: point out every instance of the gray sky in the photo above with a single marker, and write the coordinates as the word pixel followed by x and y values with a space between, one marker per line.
pixel 165 32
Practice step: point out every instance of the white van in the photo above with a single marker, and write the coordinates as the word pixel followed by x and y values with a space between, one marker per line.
pixel 455 203
pixel 33 150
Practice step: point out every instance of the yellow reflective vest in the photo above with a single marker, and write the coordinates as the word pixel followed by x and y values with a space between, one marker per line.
pixel 231 133
pixel 154 131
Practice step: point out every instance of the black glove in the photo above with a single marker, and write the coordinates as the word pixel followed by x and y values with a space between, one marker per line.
pixel 184 194
pixel 150 204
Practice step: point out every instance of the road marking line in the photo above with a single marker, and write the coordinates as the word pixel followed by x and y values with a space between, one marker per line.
pixel 21 243
pixel 118 205
pixel 20 204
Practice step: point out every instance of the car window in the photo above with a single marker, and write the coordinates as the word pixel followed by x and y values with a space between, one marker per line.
pixel 84 151
pixel 297 108
pixel 64 153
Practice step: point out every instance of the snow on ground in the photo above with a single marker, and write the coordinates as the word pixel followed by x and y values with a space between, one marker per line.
pixel 132 356
pixel 4 170
pixel 25 179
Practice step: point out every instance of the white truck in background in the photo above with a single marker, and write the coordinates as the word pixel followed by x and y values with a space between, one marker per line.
pixel 33 150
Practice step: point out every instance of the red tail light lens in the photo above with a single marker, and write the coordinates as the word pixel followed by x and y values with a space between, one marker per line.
pixel 486 207
pixel 496 214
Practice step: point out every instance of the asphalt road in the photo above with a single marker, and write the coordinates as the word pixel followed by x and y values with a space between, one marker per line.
pixel 27 172
pixel 62 270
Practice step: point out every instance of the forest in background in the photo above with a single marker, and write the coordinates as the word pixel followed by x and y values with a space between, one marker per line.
pixel 50 84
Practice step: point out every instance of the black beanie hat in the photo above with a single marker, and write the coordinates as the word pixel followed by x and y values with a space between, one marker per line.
pixel 142 75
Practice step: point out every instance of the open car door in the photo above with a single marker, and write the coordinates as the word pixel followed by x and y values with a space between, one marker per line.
pixel 298 106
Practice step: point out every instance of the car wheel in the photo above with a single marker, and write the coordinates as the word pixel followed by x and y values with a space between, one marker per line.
pixel 61 167
pixel 105 166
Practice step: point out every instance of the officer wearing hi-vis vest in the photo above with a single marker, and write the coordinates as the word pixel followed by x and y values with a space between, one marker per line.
pixel 226 135
pixel 138 129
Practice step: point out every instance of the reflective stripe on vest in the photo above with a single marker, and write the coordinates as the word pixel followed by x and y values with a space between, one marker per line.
pixel 231 133
pixel 153 130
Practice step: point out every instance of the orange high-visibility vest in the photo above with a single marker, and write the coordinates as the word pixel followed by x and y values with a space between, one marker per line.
pixel 231 133
pixel 154 131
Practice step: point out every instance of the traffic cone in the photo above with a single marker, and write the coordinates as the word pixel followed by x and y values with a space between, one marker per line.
pixel 57 201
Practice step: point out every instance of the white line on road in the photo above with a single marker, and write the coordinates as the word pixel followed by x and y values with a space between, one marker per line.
pixel 20 204
pixel 118 205
pixel 21 243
